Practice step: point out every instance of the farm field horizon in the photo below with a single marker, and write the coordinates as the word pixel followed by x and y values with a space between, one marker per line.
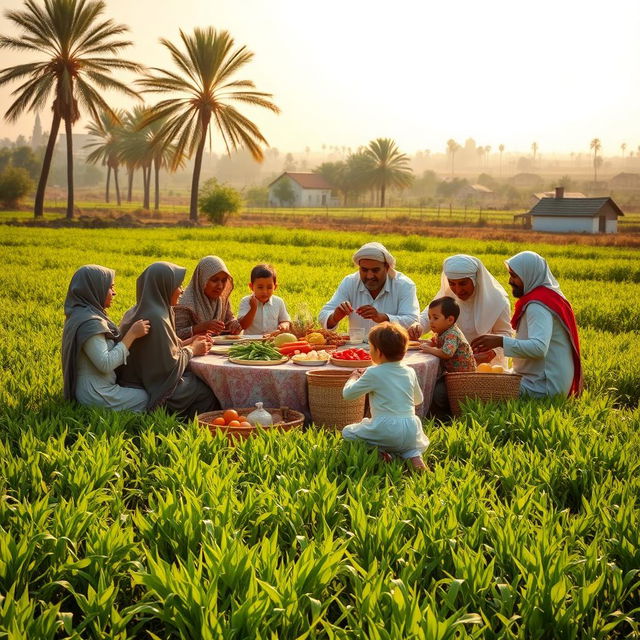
pixel 124 526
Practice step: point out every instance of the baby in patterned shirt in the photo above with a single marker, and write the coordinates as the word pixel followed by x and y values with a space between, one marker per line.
pixel 449 343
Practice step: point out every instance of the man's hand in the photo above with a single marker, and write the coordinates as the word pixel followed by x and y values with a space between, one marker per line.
pixel 285 325
pixel 486 342
pixel 371 313
pixel 484 356
pixel 415 331
pixel 341 311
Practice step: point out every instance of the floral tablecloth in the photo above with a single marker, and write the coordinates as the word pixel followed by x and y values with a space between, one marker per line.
pixel 285 385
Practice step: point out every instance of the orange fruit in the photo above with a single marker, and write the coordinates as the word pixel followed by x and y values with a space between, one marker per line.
pixel 484 367
pixel 233 423
pixel 242 419
pixel 497 368
pixel 229 415
pixel 246 425
pixel 219 421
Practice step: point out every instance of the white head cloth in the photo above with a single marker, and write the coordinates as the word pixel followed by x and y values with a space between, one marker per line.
pixel 534 271
pixel 375 251
pixel 480 312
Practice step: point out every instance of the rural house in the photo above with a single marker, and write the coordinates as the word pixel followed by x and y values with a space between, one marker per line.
pixel 561 214
pixel 476 194
pixel 302 190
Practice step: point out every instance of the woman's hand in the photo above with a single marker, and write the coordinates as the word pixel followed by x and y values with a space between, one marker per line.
pixel 137 330
pixel 415 331
pixel 201 345
pixel 234 327
pixel 216 327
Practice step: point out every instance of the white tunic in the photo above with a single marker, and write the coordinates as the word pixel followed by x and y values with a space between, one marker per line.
pixel 268 315
pixel 96 379
pixel 394 391
pixel 541 352
pixel 397 299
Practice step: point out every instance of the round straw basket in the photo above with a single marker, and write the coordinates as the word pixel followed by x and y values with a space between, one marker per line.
pixel 483 386
pixel 326 403
pixel 283 419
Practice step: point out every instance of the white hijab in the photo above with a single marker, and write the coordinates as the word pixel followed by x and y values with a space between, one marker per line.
pixel 480 312
pixel 375 251
pixel 534 271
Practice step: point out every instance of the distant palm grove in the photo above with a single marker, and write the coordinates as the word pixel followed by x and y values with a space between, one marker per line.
pixel 76 52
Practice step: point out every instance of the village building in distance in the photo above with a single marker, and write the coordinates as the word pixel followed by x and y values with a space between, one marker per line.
pixel 296 189
pixel 579 214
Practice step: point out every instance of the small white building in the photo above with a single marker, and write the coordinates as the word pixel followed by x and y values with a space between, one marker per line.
pixel 575 215
pixel 306 190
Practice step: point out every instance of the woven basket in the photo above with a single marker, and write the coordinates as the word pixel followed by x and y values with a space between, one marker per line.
pixel 483 386
pixel 326 403
pixel 283 419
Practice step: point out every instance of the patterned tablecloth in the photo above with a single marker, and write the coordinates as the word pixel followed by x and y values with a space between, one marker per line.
pixel 285 385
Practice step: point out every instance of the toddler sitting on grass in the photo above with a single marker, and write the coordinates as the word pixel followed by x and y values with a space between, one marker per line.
pixel 393 392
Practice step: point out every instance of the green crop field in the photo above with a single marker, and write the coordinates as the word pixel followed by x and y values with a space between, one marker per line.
pixel 124 526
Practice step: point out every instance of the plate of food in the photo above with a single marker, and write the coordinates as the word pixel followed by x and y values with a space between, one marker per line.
pixel 220 350
pixel 258 363
pixel 311 359
pixel 351 358
pixel 226 339
pixel 413 345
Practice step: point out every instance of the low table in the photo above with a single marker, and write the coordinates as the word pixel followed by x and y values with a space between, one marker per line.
pixel 285 385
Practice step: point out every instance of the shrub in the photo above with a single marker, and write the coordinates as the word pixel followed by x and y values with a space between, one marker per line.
pixel 218 201
pixel 15 183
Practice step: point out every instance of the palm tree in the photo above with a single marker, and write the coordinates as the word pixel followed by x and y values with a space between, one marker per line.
pixel 79 52
pixel 452 147
pixel 204 77
pixel 501 150
pixel 107 131
pixel 534 150
pixel 596 145
pixel 389 167
pixel 623 148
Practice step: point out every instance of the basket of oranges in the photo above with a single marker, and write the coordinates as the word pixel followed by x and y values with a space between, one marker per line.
pixel 234 423
pixel 487 383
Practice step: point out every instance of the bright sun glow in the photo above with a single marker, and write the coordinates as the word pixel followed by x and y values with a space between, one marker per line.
pixel 344 72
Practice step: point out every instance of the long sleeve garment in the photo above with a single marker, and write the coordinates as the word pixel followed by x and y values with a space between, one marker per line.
pixel 541 352
pixel 466 324
pixel 397 299
pixel 96 384
pixel 394 391
pixel 268 315
pixel 186 319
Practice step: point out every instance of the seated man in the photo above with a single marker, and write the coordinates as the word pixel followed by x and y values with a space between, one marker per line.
pixel 373 294
pixel 545 350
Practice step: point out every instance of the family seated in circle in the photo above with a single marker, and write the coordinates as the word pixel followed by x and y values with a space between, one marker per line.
pixel 144 363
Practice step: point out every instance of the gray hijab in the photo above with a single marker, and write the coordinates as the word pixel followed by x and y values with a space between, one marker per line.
pixel 534 272
pixel 84 317
pixel 156 361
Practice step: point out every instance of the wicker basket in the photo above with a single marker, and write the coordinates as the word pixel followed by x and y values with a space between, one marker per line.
pixel 326 403
pixel 483 386
pixel 283 419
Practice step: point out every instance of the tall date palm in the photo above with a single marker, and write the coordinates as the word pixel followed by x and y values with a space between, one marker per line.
pixel 389 167
pixel 204 81
pixel 78 51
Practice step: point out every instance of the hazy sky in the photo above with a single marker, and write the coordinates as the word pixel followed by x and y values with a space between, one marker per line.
pixel 559 72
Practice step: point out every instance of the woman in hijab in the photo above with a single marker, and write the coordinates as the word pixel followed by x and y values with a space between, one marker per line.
pixel 204 305
pixel 546 347
pixel 483 302
pixel 158 363
pixel 92 345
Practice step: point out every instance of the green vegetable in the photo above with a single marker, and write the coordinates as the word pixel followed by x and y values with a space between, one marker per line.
pixel 254 351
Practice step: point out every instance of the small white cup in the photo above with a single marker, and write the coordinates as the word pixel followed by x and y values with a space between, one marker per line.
pixel 356 335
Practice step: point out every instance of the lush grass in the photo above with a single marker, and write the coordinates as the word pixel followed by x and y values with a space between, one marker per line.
pixel 123 526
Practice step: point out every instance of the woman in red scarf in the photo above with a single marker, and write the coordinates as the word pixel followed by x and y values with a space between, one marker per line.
pixel 546 348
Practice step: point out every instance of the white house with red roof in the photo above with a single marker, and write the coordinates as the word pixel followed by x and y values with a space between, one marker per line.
pixel 302 190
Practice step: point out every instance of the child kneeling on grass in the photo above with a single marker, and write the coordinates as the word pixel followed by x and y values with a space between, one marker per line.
pixel 393 393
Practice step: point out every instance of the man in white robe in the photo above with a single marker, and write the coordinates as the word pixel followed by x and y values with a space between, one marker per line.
pixel 373 294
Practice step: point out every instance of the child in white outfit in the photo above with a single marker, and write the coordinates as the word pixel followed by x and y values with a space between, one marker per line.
pixel 393 393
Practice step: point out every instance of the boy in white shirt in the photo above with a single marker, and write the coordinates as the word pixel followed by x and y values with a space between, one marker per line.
pixel 262 312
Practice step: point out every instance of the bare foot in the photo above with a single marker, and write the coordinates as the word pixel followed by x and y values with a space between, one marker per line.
pixel 417 463
pixel 386 457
